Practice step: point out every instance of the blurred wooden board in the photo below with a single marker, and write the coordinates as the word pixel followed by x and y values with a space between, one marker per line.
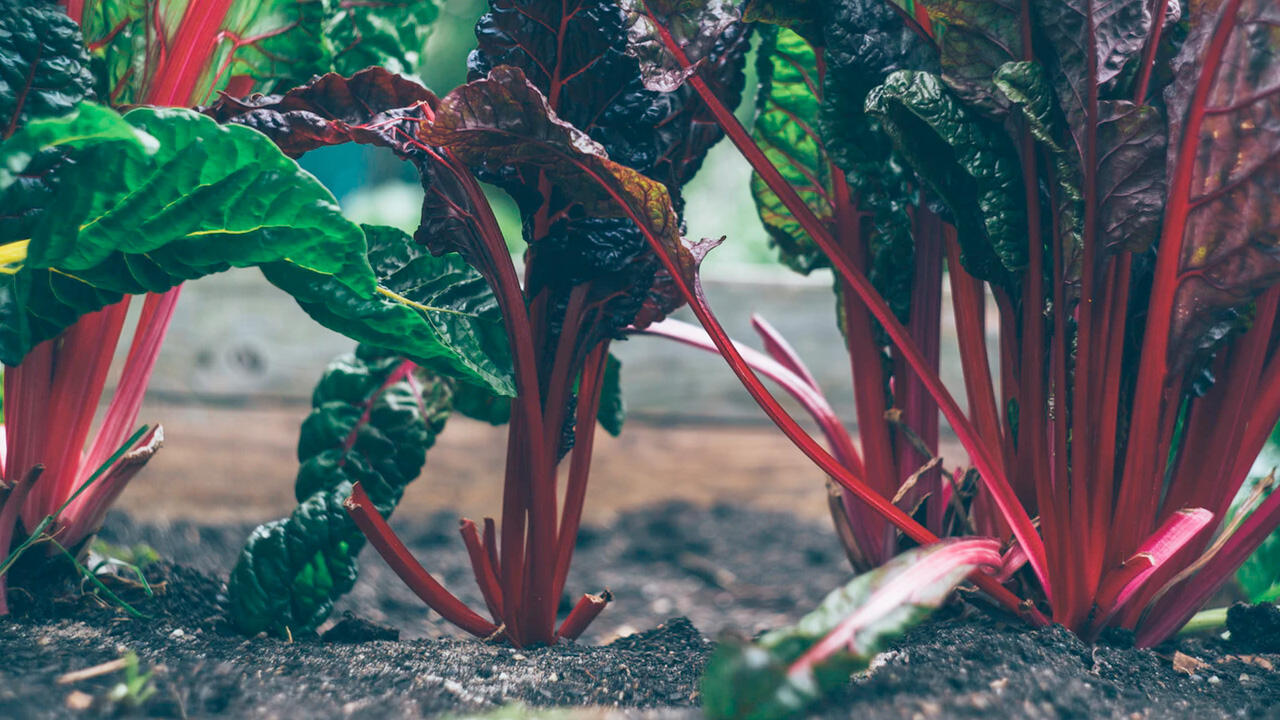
pixel 225 464
pixel 236 339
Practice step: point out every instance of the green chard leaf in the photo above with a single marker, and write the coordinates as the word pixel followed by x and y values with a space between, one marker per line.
pixel 437 311
pixel 391 34
pixel 1028 90
pixel 613 411
pixel 787 670
pixel 803 17
pixel 788 112
pixel 184 198
pixel 44 69
pixel 270 43
pixel 966 161
pixel 374 416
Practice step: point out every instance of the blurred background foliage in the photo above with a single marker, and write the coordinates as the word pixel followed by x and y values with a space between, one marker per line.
pixel 373 186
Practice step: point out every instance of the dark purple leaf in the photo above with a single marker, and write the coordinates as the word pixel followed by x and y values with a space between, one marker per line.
pixel 1224 165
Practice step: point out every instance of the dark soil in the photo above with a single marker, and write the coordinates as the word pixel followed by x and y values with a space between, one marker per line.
pixel 722 568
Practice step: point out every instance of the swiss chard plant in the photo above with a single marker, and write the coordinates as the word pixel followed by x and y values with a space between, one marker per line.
pixel 557 115
pixel 1106 172
pixel 183 197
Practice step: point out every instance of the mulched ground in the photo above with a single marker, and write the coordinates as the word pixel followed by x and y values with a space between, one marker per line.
pixel 711 569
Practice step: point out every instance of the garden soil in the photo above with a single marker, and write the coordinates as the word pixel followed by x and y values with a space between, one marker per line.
pixel 680 574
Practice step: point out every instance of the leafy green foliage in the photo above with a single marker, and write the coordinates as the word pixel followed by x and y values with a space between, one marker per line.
pixel 44 69
pixel 184 198
pixel 965 162
pixel 788 111
pixel 274 43
pixel 789 669
pixel 1259 576
pixel 437 311
pixel 391 35
pixel 575 54
pixel 612 412
pixel 803 17
pixel 373 417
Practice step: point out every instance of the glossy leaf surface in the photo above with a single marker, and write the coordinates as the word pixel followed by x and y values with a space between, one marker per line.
pixel 373 418
pixel 970 166
pixel 437 311
pixel 185 198
pixel 44 69
pixel 788 113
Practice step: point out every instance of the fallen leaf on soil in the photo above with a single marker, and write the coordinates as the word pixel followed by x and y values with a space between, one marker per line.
pixel 77 700
pixel 1254 660
pixel 1188 665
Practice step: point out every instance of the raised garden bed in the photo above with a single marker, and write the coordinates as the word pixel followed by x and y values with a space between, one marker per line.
pixel 669 601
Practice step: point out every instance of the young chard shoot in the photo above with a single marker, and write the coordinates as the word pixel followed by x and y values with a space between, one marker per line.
pixel 1107 171
pixel 557 116
pixel 789 669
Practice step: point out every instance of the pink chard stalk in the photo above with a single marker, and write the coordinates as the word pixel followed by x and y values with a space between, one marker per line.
pixel 1101 170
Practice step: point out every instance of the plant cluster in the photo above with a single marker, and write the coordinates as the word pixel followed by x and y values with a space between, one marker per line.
pixel 1100 170
pixel 1106 170
pixel 184 198
pixel 558 117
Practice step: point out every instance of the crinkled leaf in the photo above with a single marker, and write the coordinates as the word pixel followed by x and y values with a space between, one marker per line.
pixel 1091 42
pixel 575 54
pixel 502 120
pixel 694 26
pixel 1116 143
pixel 968 163
pixel 462 334
pixel 1027 88
pixel 788 111
pixel 975 37
pixel 1223 167
pixel 788 669
pixel 391 34
pixel 184 198
pixel 373 107
pixel 613 411
pixel 373 418
pixel 803 17
pixel 436 311
pixel 865 41
pixel 44 69
pixel 1131 181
